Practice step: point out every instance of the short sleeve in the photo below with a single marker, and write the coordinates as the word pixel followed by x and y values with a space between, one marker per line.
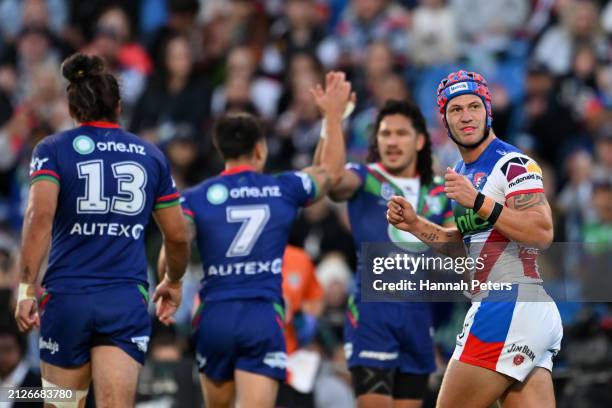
pixel 44 164
pixel 167 195
pixel 186 200
pixel 359 169
pixel 521 175
pixel 299 186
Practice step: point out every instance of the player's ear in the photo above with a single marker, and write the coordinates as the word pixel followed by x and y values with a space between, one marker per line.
pixel 261 150
pixel 420 142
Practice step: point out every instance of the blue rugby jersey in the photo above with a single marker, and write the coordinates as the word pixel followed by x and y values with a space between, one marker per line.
pixel 110 182
pixel 243 219
pixel 368 206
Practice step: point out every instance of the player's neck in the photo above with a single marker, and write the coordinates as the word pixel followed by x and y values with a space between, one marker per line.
pixel 246 164
pixel 410 171
pixel 471 155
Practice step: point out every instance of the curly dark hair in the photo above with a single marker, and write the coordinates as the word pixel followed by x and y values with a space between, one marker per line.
pixel 93 93
pixel 412 112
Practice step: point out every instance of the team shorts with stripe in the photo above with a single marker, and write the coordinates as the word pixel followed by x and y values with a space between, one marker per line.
pixel 511 338
pixel 390 335
pixel 72 323
pixel 240 334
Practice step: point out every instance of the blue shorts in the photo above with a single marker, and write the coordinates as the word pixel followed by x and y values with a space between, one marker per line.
pixel 240 334
pixel 390 335
pixel 71 324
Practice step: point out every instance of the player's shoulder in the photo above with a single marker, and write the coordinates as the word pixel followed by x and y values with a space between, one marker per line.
pixel 60 139
pixel 148 148
pixel 290 177
pixel 358 166
pixel 511 158
pixel 504 151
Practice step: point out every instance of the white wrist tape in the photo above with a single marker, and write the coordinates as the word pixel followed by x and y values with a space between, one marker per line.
pixel 350 107
pixel 26 291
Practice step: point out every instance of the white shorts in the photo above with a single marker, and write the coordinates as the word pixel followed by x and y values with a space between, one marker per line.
pixel 511 338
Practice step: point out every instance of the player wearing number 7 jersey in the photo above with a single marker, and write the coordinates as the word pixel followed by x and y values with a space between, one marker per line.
pixel 93 191
pixel 241 220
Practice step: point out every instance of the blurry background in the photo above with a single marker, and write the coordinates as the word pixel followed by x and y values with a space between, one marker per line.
pixel 182 63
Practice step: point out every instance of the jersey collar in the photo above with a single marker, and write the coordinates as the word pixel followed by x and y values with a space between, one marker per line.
pixel 102 124
pixel 237 169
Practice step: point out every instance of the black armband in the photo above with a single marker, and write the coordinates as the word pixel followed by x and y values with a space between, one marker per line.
pixel 495 213
pixel 479 201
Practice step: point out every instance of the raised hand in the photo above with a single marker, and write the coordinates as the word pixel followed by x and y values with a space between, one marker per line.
pixel 335 98
pixel 400 213
pixel 459 188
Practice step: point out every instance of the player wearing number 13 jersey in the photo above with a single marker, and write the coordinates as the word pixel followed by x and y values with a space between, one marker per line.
pixel 94 189
pixel 241 221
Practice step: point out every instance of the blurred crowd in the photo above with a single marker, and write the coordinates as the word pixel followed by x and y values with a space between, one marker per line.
pixel 182 63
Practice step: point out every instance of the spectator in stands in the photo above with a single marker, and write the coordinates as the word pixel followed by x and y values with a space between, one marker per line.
pixel 299 126
pixel 14 369
pixel 176 96
pixel 242 66
pixel 579 25
pixel 575 198
pixel 129 60
pixel 15 14
pixel 551 124
pixel 603 148
pixel 578 90
pixel 296 32
pixel 34 47
pixel 499 21
pixel 182 19
pixel 365 21
pixel 434 33
pixel 380 89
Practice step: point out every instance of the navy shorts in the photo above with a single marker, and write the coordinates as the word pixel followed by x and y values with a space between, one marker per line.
pixel 390 335
pixel 71 324
pixel 240 334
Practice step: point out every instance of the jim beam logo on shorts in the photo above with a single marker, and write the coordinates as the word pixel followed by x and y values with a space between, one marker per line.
pixel 276 359
pixel 50 345
pixel 200 360
pixel 142 342
pixel 519 358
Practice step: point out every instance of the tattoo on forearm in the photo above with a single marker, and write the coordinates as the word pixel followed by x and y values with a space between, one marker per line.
pixel 525 201
pixel 431 236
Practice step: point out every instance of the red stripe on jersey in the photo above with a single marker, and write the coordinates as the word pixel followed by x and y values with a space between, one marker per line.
pixel 480 353
pixel 45 173
pixel 491 250
pixel 437 190
pixel 168 197
pixel 188 212
pixel 531 191
pixel 102 124
pixel 237 169
pixel 529 263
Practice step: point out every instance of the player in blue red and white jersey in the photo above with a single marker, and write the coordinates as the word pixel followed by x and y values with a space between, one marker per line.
pixel 389 345
pixel 241 221
pixel 93 191
pixel 509 336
